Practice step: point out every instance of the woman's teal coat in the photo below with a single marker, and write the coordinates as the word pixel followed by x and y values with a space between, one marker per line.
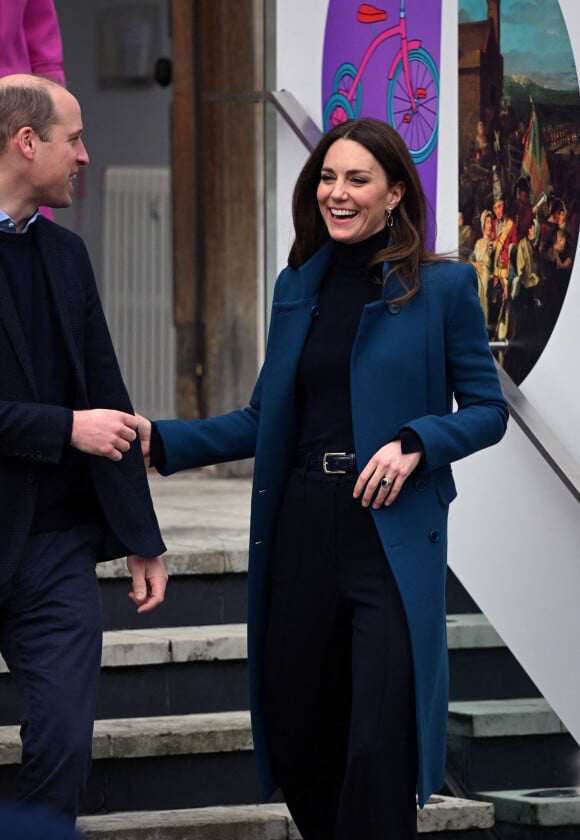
pixel 408 363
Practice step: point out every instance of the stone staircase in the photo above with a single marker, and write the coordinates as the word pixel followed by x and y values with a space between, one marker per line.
pixel 172 744
pixel 505 744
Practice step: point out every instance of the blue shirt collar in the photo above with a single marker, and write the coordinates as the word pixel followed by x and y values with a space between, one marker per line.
pixel 8 225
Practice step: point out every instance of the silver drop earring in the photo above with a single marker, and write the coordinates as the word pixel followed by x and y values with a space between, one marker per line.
pixel 389 217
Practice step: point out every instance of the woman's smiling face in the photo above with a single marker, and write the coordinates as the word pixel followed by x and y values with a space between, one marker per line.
pixel 354 192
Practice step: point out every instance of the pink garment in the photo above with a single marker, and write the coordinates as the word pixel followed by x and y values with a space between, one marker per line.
pixel 30 39
pixel 30 42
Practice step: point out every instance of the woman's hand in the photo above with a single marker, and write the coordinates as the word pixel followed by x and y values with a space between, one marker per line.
pixel 384 475
pixel 144 429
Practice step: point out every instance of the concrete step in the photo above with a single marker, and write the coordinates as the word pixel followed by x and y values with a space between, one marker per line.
pixel 457 598
pixel 173 671
pixel 173 761
pixel 545 814
pixel 146 646
pixel 162 671
pixel 480 665
pixel 191 761
pixel 441 817
pixel 154 736
pixel 248 822
pixel 505 744
pixel 206 586
pixel 205 521
pixel 208 582
pixel 165 645
pixel 501 718
pixel 190 669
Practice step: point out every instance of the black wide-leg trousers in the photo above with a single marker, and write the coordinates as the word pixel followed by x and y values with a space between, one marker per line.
pixel 339 691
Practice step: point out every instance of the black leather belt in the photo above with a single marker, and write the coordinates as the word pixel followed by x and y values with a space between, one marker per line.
pixel 330 463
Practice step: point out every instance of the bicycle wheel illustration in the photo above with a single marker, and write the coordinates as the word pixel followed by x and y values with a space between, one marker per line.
pixel 342 104
pixel 417 127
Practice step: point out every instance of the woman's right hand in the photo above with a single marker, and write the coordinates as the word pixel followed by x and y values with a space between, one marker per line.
pixel 383 477
pixel 144 429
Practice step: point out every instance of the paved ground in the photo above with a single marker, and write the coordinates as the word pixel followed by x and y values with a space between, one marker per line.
pixel 200 511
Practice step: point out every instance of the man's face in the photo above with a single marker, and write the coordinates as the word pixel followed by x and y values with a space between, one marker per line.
pixel 59 158
pixel 498 209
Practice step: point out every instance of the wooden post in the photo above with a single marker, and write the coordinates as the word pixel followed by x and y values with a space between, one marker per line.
pixel 187 305
pixel 218 217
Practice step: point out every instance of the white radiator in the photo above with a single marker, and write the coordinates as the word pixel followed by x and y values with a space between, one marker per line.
pixel 138 284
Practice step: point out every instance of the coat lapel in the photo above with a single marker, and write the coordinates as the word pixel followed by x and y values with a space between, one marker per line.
pixel 294 307
pixel 64 287
pixel 11 323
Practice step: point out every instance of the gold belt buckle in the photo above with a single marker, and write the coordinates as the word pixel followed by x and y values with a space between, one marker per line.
pixel 325 469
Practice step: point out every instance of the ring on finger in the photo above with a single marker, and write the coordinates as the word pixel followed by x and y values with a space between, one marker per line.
pixel 385 482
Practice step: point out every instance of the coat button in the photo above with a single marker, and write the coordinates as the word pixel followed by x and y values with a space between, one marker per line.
pixel 420 484
pixel 394 308
pixel 434 536
pixel 314 312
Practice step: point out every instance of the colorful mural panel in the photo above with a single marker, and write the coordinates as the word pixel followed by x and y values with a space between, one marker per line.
pixel 383 61
pixel 519 188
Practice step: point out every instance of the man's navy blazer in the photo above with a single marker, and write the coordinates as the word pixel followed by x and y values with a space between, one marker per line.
pixel 32 432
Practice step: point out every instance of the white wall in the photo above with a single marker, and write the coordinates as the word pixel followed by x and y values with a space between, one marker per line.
pixel 128 126
pixel 515 530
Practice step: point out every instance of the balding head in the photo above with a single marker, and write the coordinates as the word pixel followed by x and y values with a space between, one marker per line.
pixel 41 148
pixel 26 80
pixel 27 100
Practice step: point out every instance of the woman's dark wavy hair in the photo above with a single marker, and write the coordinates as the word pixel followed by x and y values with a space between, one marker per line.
pixel 407 248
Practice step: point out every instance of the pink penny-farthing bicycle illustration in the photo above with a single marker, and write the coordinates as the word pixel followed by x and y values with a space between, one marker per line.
pixel 412 91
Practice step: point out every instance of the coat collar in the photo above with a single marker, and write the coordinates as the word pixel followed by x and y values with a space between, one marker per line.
pixel 308 277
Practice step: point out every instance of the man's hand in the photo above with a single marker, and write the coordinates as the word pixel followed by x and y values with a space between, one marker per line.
pixel 144 429
pixel 149 581
pixel 104 432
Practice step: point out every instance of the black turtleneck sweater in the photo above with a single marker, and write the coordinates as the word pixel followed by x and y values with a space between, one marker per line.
pixel 323 377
